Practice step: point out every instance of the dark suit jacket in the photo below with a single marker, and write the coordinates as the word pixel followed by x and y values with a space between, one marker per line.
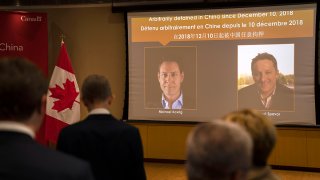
pixel 249 97
pixel 113 148
pixel 21 158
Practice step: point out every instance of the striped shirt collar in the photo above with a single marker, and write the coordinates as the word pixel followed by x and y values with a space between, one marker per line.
pixel 268 100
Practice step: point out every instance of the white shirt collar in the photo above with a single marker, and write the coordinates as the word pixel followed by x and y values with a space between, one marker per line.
pixel 99 111
pixel 16 127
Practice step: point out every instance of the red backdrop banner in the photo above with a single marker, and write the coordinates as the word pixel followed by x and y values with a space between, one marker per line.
pixel 25 34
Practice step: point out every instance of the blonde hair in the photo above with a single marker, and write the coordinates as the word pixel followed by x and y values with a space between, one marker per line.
pixel 261 130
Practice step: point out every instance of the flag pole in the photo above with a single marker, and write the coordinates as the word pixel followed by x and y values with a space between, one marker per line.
pixel 62 36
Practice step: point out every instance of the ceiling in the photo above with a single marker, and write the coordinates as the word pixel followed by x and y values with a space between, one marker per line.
pixel 120 2
pixel 50 2
pixel 121 5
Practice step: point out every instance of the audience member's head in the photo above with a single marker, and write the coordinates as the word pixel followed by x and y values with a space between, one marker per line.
pixel 262 131
pixel 218 150
pixel 96 90
pixel 22 92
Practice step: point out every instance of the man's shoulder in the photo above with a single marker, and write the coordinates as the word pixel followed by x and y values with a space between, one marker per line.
pixel 97 121
pixel 60 162
pixel 248 89
pixel 91 119
pixel 77 168
pixel 35 161
pixel 284 89
pixel 154 104
pixel 189 102
pixel 73 127
pixel 128 127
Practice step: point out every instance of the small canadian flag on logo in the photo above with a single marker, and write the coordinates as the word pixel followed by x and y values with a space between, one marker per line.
pixel 63 98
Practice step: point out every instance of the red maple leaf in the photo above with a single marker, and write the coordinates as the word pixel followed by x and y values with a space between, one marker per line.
pixel 66 97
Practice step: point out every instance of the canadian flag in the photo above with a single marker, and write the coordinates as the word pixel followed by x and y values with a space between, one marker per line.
pixel 63 98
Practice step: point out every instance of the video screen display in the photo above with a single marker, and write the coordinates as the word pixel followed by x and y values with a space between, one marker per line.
pixel 198 65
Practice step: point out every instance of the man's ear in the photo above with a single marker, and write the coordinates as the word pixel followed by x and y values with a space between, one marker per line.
pixel 159 76
pixel 85 103
pixel 110 99
pixel 36 119
pixel 43 104
pixel 182 76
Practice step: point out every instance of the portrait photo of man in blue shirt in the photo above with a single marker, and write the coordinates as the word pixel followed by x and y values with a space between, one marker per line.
pixel 170 78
